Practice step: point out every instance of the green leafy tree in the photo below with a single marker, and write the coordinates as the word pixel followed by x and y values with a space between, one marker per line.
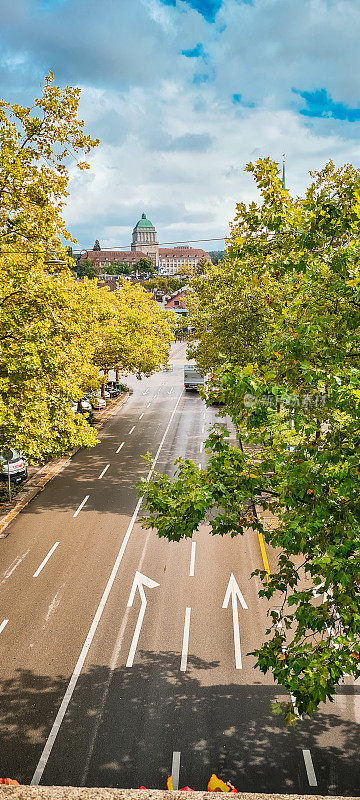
pixel 137 335
pixel 45 316
pixel 278 324
pixel 216 256
pixel 118 268
pixel 86 268
pixel 143 265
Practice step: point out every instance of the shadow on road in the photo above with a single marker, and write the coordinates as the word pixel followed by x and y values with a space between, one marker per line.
pixel 130 722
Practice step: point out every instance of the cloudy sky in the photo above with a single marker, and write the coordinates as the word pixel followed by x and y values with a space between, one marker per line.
pixel 182 94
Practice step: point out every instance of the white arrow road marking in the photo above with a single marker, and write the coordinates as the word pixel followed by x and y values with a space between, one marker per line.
pixel 185 647
pixel 309 768
pixel 175 770
pixel 139 582
pixel 46 559
pixel 234 592
pixel 81 505
pixel 148 405
pixel 3 625
pixel 192 560
pixel 146 391
pixel 171 390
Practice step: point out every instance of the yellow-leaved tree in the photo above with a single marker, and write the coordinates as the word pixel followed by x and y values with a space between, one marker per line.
pixel 50 323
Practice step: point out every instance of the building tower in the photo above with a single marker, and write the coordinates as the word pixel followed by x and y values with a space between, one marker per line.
pixel 144 238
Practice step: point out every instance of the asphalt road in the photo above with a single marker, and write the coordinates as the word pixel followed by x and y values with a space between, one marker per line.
pixel 106 681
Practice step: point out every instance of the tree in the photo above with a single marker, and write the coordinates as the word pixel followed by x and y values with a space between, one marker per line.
pixel 202 266
pixel 85 268
pixel 216 256
pixel 45 339
pixel 97 245
pixel 143 265
pixel 118 268
pixel 278 323
pixel 137 335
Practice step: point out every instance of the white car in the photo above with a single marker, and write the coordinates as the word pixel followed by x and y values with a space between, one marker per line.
pixel 85 405
pixel 14 463
pixel 97 402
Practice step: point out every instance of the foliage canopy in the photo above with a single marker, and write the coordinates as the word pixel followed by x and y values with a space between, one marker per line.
pixel 278 325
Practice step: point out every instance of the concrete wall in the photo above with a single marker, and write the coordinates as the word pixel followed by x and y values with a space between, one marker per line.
pixel 71 793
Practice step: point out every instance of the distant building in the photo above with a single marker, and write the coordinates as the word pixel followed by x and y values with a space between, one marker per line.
pixel 168 261
pixel 171 260
pixel 103 258
pixel 144 238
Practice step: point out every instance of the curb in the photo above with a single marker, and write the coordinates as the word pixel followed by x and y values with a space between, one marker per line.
pixel 53 468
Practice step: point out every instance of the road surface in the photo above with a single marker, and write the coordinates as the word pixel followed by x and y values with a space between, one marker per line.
pixel 124 656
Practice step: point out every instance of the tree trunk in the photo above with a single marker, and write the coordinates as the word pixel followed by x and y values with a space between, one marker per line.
pixel 117 375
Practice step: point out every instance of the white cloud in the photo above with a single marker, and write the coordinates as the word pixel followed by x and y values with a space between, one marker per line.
pixel 169 145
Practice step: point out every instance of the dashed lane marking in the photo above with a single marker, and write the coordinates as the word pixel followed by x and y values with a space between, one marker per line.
pixel 192 560
pixel 175 770
pixel 309 768
pixel 81 505
pixel 3 625
pixel 46 559
pixel 132 429
pixel 185 646
pixel 120 447
pixel 103 472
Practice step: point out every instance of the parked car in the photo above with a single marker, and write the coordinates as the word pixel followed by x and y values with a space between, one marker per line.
pixel 14 463
pixel 114 388
pixel 97 402
pixel 85 405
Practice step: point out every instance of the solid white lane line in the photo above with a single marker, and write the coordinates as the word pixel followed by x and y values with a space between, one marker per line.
pixel 201 446
pixel 203 429
pixel 309 768
pixel 113 663
pixel 141 415
pixel 148 405
pixel 86 646
pixel 185 646
pixel 119 448
pixel 81 505
pixel 103 472
pixel 192 560
pixel 46 559
pixel 175 770
pixel 3 625
pixel 132 429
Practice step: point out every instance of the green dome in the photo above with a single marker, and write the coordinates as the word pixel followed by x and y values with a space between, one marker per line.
pixel 144 222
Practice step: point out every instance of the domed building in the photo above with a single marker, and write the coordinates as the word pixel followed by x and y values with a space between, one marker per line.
pixel 144 238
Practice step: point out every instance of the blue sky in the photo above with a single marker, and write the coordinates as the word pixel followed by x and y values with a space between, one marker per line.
pixel 182 94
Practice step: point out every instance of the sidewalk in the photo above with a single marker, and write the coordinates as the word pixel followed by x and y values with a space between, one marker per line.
pixel 42 475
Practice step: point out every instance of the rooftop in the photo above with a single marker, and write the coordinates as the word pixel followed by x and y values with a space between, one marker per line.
pixel 144 222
